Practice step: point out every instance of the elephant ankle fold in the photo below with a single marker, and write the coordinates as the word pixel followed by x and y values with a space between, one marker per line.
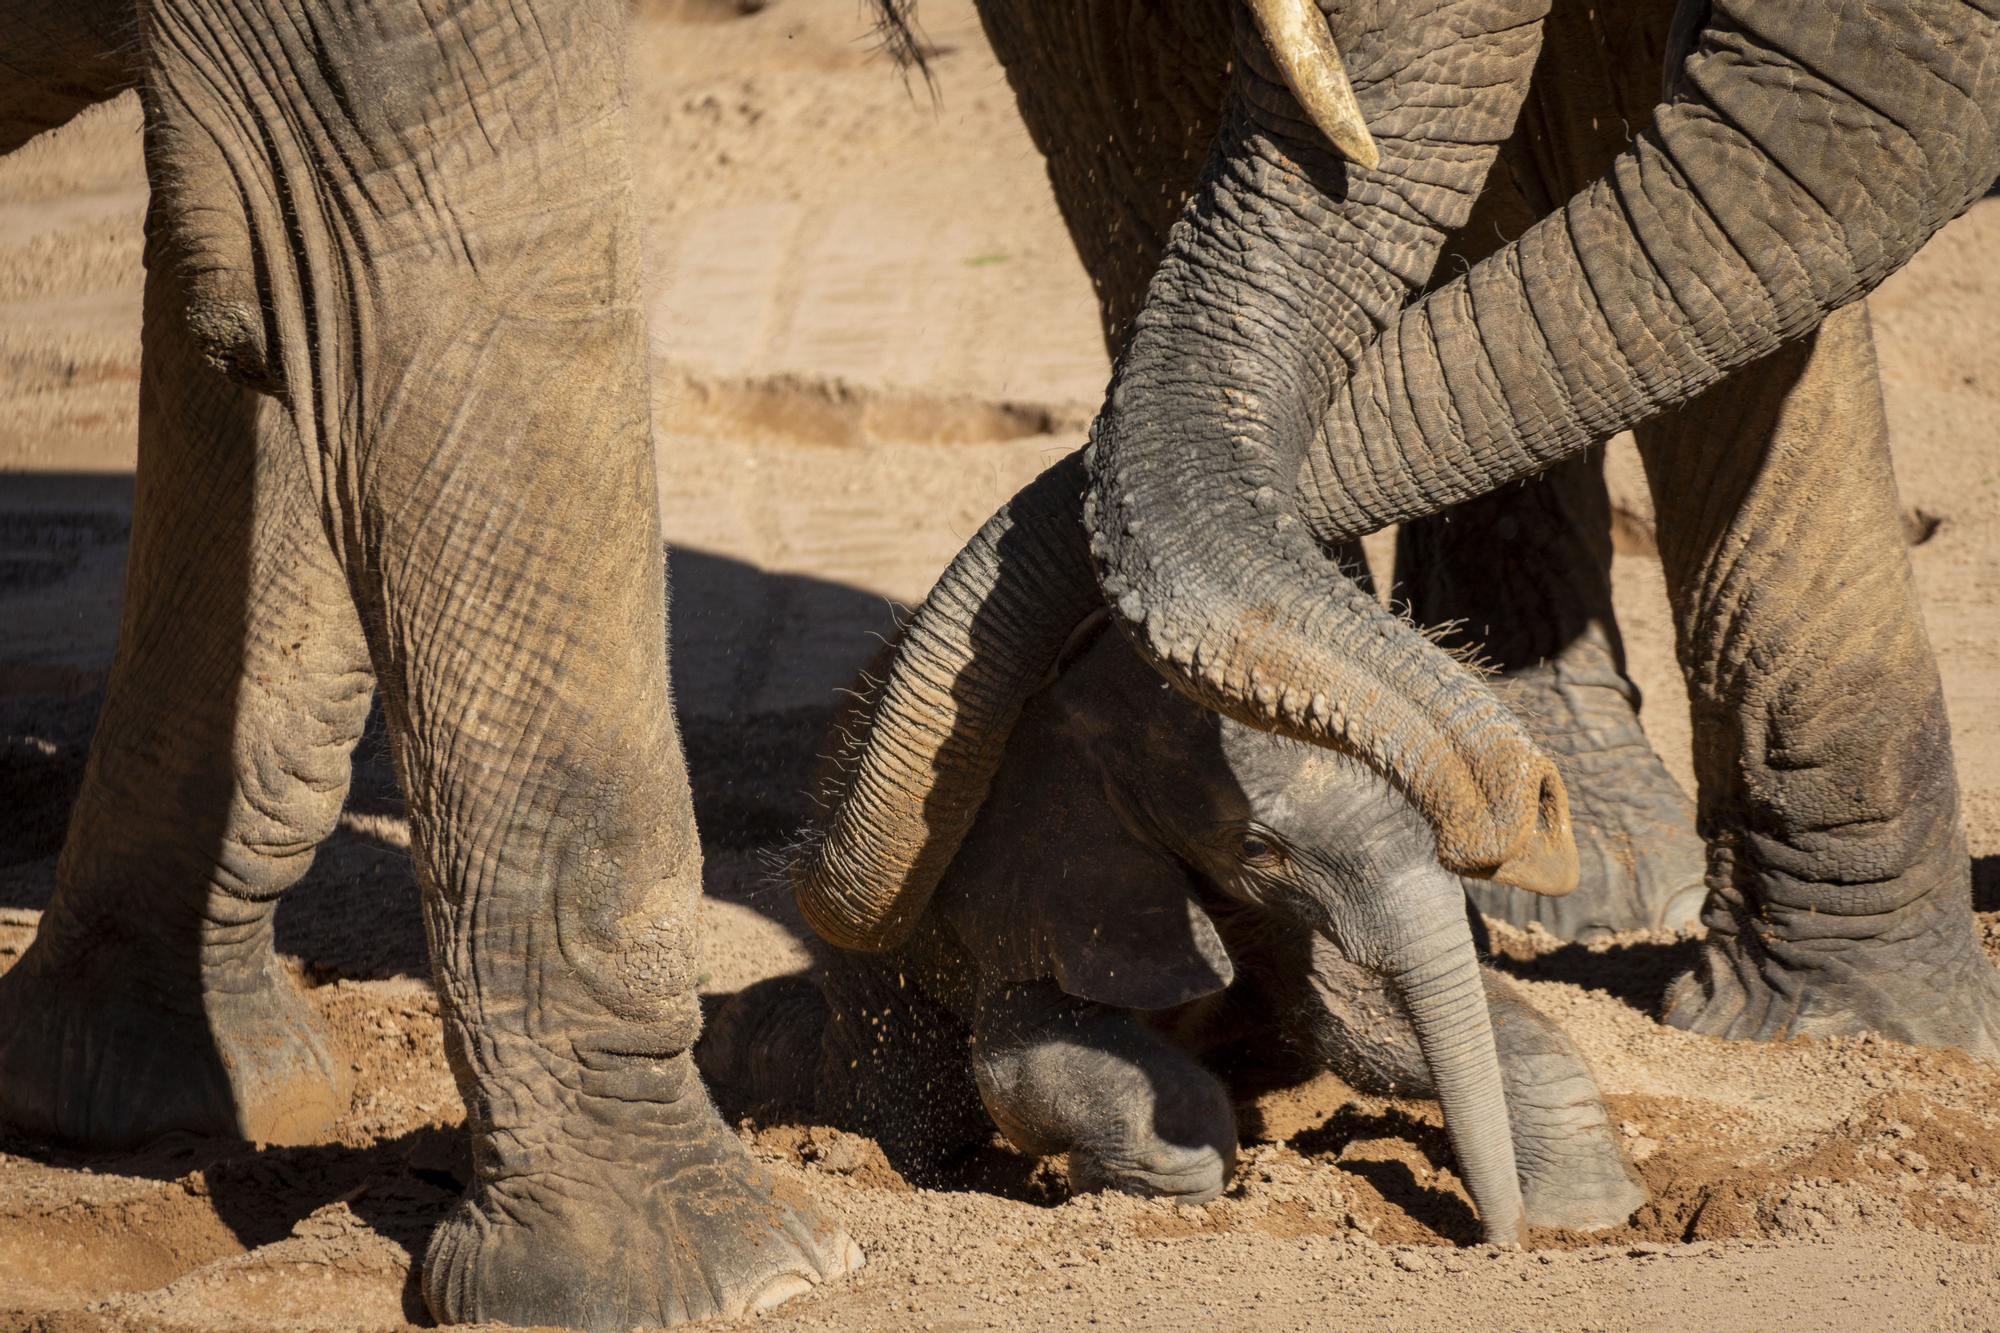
pixel 636 1067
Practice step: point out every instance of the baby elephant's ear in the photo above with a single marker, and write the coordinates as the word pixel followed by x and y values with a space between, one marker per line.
pixel 1124 928
pixel 1051 883
pixel 1156 949
pixel 1109 918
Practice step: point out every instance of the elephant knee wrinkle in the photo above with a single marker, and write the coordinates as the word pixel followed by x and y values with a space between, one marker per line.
pixel 229 328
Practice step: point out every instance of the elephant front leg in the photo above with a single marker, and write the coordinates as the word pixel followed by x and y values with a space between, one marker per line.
pixel 515 588
pixel 1573 1172
pixel 417 229
pixel 1523 579
pixel 150 1000
pixel 516 594
pixel 1839 886
pixel 501 511
pixel 1134 1113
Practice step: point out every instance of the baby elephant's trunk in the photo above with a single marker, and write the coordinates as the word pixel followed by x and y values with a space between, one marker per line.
pixel 1434 969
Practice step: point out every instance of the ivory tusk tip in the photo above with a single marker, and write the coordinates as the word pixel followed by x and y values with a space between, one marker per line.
pixel 1299 41
pixel 1355 143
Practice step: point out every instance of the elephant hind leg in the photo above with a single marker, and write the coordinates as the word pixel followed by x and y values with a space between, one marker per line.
pixel 150 1000
pixel 1839 886
pixel 763 1044
pixel 893 1063
pixel 865 1046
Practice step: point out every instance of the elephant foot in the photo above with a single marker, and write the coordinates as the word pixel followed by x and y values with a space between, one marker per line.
pixel 1573 1169
pixel 1134 1113
pixel 1160 1170
pixel 618 1220
pixel 102 1053
pixel 1578 1183
pixel 1926 983
pixel 1642 863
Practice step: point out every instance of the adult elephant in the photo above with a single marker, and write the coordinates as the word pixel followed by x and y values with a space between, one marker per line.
pixel 1277 395
pixel 394 437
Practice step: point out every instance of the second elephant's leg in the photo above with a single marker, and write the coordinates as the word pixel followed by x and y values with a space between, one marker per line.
pixel 1134 1112
pixel 1840 890
pixel 1123 101
pixel 1523 578
pixel 150 1000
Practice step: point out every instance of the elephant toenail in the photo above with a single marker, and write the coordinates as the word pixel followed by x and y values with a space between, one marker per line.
pixel 1683 910
pixel 781 1291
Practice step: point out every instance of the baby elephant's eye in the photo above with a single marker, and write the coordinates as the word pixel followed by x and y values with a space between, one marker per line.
pixel 1257 851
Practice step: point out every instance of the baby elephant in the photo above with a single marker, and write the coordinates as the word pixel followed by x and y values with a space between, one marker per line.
pixel 1147 884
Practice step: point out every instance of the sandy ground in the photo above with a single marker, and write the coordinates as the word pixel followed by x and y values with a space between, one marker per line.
pixel 869 330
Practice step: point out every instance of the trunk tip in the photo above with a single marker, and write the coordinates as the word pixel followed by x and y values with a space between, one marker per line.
pixel 1543 859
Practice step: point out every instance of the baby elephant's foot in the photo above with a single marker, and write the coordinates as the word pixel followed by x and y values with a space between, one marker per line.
pixel 107 1050
pixel 1135 1113
pixel 1573 1172
pixel 1573 1169
pixel 1587 1188
pixel 1182 1173
pixel 636 1215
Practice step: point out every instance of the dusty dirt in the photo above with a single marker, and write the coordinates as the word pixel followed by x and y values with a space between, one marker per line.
pixel 869 329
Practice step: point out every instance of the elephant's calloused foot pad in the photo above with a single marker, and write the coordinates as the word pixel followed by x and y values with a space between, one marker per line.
pixel 95 1057
pixel 1642 865
pixel 1924 989
pixel 687 1228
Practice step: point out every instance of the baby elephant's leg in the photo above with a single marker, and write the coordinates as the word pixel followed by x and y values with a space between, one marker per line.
pixel 1134 1112
pixel 1573 1173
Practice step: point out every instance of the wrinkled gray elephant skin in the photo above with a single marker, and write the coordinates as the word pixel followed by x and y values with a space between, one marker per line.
pixel 394 441
pixel 1309 348
pixel 1149 881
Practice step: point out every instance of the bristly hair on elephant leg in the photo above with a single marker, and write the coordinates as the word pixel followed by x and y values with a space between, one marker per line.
pixel 899 36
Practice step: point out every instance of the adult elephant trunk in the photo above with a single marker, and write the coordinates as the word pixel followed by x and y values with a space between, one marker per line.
pixel 983 641
pixel 1424 948
pixel 1810 148
pixel 1282 273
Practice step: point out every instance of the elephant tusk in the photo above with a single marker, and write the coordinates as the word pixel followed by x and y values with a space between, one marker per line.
pixel 1299 40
